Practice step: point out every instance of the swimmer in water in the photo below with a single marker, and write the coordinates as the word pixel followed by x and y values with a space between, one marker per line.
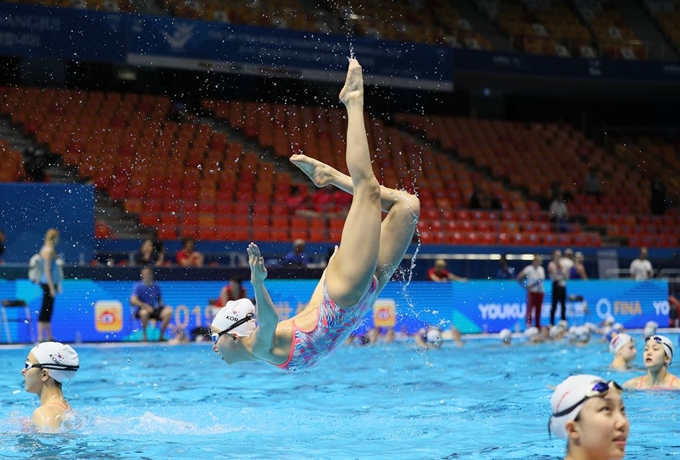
pixel 48 365
pixel 506 337
pixel 370 250
pixel 589 413
pixel 623 347
pixel 658 355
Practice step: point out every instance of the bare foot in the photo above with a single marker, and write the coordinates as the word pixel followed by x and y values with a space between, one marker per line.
pixel 320 173
pixel 354 83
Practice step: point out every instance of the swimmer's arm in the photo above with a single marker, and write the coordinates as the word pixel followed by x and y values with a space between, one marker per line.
pixel 267 316
pixel 632 383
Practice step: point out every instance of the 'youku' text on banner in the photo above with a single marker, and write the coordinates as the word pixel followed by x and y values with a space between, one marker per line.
pixel 494 305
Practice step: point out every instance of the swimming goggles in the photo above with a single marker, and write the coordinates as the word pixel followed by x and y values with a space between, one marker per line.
pixel 600 388
pixel 57 367
pixel 216 336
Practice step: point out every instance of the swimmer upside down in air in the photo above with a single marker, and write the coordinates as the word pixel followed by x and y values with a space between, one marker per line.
pixel 370 251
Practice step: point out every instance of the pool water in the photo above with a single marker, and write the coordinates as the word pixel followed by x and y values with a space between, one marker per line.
pixel 389 401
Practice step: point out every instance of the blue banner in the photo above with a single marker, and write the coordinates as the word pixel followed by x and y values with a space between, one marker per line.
pixel 61 33
pixel 88 35
pixel 99 311
pixel 563 67
pixel 500 304
pixel 220 47
pixel 27 211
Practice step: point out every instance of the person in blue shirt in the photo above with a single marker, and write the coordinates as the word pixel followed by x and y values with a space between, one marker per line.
pixel 146 296
pixel 505 272
pixel 296 257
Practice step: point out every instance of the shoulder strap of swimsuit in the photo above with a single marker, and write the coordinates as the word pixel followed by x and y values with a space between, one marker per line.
pixel 57 403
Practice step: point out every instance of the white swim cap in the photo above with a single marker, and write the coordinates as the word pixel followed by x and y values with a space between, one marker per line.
pixel 665 342
pixel 618 341
pixel 592 327
pixel 609 320
pixel 555 331
pixel 582 334
pixel 568 399
pixel 233 311
pixel 618 327
pixel 433 335
pixel 531 332
pixel 505 335
pixel 650 329
pixel 61 361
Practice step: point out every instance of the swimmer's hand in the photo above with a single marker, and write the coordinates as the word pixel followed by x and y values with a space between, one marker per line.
pixel 258 272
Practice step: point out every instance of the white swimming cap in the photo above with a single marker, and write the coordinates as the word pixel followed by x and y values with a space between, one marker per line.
pixel 233 311
pixel 555 331
pixel 618 327
pixel 505 335
pixel 568 393
pixel 609 320
pixel 592 327
pixel 433 335
pixel 666 343
pixel 618 341
pixel 531 332
pixel 582 334
pixel 62 360
pixel 648 332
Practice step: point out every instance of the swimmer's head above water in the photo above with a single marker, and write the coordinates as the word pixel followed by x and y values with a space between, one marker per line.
pixel 235 320
pixel 588 411
pixel 658 342
pixel 57 362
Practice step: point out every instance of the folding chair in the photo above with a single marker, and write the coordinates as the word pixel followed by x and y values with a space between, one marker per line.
pixel 25 319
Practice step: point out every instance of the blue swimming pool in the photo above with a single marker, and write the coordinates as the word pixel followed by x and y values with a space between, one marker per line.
pixel 384 401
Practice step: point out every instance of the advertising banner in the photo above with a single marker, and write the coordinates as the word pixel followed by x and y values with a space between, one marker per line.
pixel 100 311
pixel 231 48
pixel 61 33
pixel 563 67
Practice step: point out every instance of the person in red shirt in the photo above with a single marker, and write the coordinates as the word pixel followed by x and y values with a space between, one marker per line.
pixel 188 256
pixel 440 274
pixel 232 291
pixel 298 201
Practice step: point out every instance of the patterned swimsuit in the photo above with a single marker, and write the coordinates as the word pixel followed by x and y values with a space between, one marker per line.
pixel 334 324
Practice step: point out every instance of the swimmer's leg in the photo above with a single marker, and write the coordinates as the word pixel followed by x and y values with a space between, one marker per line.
pixel 350 272
pixel 398 226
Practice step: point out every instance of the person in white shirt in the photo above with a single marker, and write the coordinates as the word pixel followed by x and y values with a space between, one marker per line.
pixel 641 268
pixel 534 275
pixel 567 260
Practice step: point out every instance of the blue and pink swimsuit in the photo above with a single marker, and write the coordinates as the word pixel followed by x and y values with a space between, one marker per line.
pixel 334 324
